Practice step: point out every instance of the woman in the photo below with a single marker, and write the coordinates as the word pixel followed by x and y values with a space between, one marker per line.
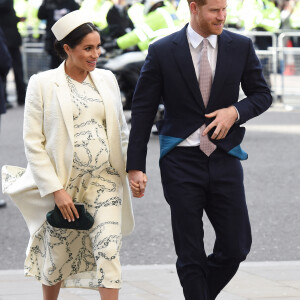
pixel 75 137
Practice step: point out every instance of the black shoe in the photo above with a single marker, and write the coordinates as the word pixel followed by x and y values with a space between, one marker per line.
pixel 2 203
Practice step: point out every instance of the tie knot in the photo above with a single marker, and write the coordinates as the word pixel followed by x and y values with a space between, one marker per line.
pixel 205 43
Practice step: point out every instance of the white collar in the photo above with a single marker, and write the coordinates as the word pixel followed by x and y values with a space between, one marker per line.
pixel 196 39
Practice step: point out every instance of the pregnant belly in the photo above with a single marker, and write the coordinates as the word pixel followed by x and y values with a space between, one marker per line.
pixel 91 155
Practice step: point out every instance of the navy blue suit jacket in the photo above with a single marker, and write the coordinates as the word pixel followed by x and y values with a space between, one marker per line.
pixel 168 74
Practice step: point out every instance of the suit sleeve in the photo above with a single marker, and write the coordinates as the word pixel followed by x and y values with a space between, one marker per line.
pixel 5 58
pixel 40 164
pixel 255 88
pixel 145 103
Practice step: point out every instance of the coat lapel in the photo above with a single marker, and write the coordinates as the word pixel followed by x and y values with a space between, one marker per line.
pixel 224 61
pixel 64 99
pixel 185 63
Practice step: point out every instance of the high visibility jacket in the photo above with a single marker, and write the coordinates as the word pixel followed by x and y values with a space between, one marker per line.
pixel 260 13
pixel 98 10
pixel 233 13
pixel 295 17
pixel 136 13
pixel 248 14
pixel 29 10
pixel 160 22
pixel 33 22
pixel 269 17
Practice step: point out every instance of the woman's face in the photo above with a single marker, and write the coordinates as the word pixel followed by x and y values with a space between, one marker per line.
pixel 84 56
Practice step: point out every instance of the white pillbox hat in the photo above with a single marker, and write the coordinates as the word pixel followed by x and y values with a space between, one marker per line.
pixel 68 23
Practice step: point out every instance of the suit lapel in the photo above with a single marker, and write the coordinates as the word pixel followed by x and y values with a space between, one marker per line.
pixel 224 61
pixel 64 99
pixel 185 63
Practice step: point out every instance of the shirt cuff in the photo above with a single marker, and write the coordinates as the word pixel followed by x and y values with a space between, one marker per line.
pixel 238 117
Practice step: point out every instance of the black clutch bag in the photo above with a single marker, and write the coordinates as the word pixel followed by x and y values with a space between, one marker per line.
pixel 56 219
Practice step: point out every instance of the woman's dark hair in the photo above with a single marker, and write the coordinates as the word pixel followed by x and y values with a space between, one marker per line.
pixel 74 38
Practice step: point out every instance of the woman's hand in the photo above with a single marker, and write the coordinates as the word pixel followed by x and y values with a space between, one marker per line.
pixel 65 204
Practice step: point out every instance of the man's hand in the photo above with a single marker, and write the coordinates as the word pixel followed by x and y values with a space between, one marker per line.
pixel 65 204
pixel 225 118
pixel 138 181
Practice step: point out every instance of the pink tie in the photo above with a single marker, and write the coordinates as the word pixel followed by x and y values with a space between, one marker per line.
pixel 205 81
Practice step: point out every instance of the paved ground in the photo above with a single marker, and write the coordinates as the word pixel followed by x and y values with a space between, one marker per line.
pixel 254 281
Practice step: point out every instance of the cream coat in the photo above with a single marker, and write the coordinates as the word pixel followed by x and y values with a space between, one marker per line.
pixel 49 140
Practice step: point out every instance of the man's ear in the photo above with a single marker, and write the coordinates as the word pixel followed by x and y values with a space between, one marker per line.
pixel 193 7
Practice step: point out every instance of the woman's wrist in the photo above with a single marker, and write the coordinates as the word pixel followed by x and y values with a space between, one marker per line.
pixel 58 192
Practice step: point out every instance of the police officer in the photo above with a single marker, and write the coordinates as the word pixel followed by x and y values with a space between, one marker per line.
pixel 8 23
pixel 160 20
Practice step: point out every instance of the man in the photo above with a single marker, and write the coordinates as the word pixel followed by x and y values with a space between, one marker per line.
pixel 200 139
pixel 8 23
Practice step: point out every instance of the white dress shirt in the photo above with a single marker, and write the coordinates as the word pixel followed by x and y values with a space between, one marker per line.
pixel 196 46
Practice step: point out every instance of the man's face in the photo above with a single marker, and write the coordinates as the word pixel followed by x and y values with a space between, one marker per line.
pixel 210 18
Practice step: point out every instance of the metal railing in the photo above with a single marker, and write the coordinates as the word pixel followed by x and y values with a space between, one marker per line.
pixel 35 59
pixel 289 61
pixel 268 58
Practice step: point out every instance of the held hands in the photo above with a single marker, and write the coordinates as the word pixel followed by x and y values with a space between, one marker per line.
pixel 224 119
pixel 138 181
pixel 65 204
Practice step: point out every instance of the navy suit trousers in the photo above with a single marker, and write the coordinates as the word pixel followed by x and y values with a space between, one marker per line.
pixel 194 183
